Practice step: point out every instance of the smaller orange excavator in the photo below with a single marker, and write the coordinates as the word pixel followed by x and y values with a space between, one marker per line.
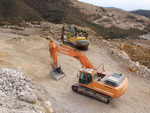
pixel 91 82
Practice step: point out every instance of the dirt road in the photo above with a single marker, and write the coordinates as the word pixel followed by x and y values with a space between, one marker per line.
pixel 33 57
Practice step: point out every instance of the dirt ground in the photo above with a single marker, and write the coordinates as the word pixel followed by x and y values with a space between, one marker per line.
pixel 32 55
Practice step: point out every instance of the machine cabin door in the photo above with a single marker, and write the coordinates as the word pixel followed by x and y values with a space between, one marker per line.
pixel 85 79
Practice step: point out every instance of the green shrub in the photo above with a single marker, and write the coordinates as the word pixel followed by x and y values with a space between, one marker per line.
pixel 141 21
pixel 2 23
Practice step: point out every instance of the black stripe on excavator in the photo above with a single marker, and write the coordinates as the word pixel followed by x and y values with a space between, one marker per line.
pixel 107 87
pixel 95 92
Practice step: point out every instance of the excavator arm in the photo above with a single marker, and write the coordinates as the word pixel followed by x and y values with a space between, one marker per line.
pixel 85 62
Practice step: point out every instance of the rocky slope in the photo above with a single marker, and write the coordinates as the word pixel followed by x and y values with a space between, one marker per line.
pixel 19 94
pixel 145 13
pixel 112 17
pixel 14 11
pixel 109 23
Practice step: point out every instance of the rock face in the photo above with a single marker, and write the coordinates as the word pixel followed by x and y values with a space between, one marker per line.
pixel 122 57
pixel 13 82
pixel 17 91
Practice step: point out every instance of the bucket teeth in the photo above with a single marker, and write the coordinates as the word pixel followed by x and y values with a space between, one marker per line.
pixel 61 77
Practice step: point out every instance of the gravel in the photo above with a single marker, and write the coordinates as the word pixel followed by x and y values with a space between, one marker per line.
pixel 14 81
pixel 18 95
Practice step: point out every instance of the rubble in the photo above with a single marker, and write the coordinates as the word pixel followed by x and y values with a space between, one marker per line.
pixel 9 104
pixel 140 70
pixel 15 86
pixel 13 82
pixel 28 97
pixel 22 40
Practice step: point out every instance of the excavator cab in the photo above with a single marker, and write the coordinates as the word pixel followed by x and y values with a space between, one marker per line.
pixel 87 75
pixel 85 78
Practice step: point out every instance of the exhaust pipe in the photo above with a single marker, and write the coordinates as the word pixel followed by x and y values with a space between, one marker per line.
pixel 57 73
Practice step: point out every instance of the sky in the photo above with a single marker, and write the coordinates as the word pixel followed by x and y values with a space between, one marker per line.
pixel 127 5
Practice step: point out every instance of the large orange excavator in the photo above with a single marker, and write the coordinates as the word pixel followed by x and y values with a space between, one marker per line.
pixel 91 82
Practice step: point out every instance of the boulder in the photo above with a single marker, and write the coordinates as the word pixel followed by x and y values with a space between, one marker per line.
pixel 28 97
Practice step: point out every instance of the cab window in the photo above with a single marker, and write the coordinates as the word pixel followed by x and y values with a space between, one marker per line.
pixel 89 78
pixel 95 76
pixel 85 78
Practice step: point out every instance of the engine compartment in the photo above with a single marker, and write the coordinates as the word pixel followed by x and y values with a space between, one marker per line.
pixel 114 79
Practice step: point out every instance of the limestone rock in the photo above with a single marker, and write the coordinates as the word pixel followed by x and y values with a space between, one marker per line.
pixel 14 81
pixel 47 107
pixel 28 97
pixel 48 104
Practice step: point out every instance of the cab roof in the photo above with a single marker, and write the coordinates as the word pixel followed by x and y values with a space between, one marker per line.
pixel 88 70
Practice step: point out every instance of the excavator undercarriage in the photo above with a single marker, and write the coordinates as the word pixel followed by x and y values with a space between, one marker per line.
pixel 91 93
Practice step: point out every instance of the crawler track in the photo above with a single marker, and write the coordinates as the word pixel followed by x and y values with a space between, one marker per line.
pixel 91 93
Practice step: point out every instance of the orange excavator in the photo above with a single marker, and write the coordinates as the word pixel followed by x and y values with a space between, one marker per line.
pixel 91 82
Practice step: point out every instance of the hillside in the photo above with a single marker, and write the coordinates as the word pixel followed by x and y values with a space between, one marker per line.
pixel 145 13
pixel 51 10
pixel 109 23
pixel 15 11
pixel 112 17
pixel 113 8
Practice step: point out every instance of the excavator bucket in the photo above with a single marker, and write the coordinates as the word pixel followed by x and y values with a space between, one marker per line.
pixel 57 73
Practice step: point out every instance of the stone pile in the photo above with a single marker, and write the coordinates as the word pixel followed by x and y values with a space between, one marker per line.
pixel 14 81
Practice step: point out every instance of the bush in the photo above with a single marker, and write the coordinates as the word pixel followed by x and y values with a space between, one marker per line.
pixel 141 21
pixel 76 29
pixel 2 23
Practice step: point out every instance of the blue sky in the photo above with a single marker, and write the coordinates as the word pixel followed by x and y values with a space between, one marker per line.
pixel 127 5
